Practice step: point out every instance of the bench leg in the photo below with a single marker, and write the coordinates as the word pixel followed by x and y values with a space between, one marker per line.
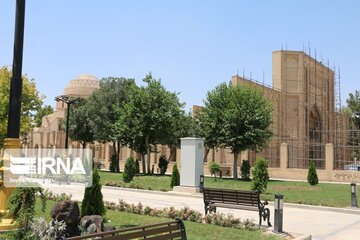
pixel 206 209
pixel 260 218
pixel 212 209
pixel 265 214
pixel 268 216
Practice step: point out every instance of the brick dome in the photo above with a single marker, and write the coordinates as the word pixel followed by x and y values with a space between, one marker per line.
pixel 82 85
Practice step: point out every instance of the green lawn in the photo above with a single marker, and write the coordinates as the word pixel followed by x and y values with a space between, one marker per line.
pixel 194 230
pixel 323 194
pixel 155 182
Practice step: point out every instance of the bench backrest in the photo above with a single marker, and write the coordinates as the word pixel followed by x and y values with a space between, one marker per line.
pixel 228 196
pixel 160 231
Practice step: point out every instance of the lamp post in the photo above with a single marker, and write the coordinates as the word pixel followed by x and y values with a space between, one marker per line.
pixel 68 101
pixel 353 195
pixel 12 140
pixel 278 216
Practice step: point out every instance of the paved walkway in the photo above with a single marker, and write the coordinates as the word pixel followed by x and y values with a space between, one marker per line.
pixel 321 222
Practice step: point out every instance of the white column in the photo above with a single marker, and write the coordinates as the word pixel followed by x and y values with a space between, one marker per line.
pixel 192 155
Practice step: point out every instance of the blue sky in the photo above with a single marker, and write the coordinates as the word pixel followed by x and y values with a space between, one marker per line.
pixel 191 45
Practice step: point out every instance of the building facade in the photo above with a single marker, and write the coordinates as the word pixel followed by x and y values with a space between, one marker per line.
pixel 305 121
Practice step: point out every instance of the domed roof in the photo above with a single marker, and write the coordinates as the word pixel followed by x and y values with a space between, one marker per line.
pixel 82 86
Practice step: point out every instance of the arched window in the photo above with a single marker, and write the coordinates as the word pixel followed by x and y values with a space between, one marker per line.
pixel 314 125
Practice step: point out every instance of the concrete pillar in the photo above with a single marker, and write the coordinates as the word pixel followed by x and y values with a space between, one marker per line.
pixel 192 155
pixel 284 156
pixel 329 157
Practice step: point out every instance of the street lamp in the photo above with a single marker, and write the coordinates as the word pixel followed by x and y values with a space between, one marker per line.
pixel 66 99
pixel 12 140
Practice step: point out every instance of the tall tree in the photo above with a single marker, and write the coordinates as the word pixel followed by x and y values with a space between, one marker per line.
pixel 354 104
pixel 101 104
pixel 80 123
pixel 182 126
pixel 237 117
pixel 43 111
pixel 30 103
pixel 149 116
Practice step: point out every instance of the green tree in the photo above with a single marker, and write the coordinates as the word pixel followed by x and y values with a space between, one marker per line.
pixel 214 169
pixel 137 166
pixel 80 123
pixel 30 104
pixel 113 92
pixel 312 177
pixel 92 203
pixel 43 111
pixel 354 104
pixel 149 117
pixel 237 117
pixel 245 170
pixel 175 177
pixel 21 203
pixel 260 175
pixel 163 164
pixel 129 170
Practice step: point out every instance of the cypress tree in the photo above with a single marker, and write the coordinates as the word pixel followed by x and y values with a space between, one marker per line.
pixel 93 203
pixel 175 177
pixel 312 177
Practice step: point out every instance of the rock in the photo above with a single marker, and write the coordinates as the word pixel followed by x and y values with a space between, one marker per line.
pixel 96 220
pixel 109 228
pixel 69 212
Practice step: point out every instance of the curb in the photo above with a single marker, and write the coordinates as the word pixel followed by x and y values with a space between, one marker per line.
pixel 303 237
pixel 348 210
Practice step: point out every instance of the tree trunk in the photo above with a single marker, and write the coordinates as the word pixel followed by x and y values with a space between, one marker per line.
pixel 207 150
pixel 143 163
pixel 118 156
pixel 116 153
pixel 148 155
pixel 172 149
pixel 235 173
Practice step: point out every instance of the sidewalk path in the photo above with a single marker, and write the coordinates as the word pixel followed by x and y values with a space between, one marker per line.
pixel 321 223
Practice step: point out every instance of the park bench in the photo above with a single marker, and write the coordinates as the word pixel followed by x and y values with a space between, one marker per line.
pixel 160 231
pixel 236 199
pixel 224 171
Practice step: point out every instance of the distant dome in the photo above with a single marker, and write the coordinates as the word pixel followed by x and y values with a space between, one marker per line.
pixel 82 86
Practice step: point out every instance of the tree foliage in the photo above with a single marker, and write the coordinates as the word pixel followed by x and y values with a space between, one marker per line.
pixel 163 164
pixel 312 177
pixel 214 169
pixel 30 104
pixel 43 111
pixel 92 203
pixel 149 117
pixel 245 170
pixel 237 117
pixel 260 175
pixel 129 170
pixel 80 123
pixel 21 203
pixel 113 93
pixel 354 104
pixel 175 177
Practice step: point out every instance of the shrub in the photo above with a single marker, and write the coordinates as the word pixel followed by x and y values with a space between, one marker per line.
pixel 93 203
pixel 44 231
pixel 137 167
pixel 129 170
pixel 214 169
pixel 21 204
pixel 114 164
pixel 312 177
pixel 260 175
pixel 163 164
pixel 175 177
pixel 245 170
